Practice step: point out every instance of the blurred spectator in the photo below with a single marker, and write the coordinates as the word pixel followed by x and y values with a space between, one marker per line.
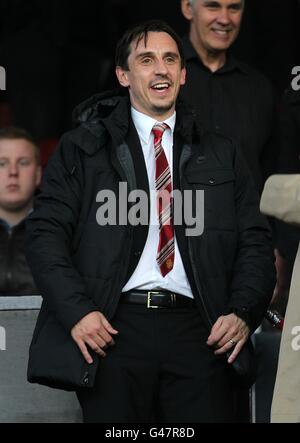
pixel 287 236
pixel 281 200
pixel 20 175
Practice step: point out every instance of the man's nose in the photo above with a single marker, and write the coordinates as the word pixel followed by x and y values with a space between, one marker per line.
pixel 161 67
pixel 13 170
pixel 224 17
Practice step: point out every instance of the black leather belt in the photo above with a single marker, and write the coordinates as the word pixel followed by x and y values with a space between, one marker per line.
pixel 157 299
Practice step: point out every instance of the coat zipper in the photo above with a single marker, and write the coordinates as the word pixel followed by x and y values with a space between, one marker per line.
pixel 198 284
pixel 124 165
pixel 185 157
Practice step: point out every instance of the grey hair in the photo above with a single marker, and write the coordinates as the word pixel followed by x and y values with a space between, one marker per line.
pixel 192 2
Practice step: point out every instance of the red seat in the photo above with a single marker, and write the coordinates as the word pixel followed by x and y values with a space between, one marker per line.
pixel 47 148
pixel 6 115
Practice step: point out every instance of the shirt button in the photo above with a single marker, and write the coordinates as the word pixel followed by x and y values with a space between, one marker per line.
pixel 212 181
pixel 217 128
pixel 200 159
pixel 137 254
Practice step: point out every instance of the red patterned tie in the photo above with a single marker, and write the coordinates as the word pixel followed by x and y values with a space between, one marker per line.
pixel 164 188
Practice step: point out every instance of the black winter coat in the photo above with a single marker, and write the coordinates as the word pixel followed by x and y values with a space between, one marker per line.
pixel 239 102
pixel 15 275
pixel 81 267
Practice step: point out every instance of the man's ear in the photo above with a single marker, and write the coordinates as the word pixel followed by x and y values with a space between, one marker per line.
pixel 183 77
pixel 187 9
pixel 122 77
pixel 38 178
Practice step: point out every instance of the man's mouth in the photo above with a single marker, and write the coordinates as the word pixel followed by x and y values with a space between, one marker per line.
pixel 222 32
pixel 161 86
pixel 13 188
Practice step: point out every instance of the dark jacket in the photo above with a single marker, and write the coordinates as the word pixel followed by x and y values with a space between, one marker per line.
pixel 236 101
pixel 15 275
pixel 81 267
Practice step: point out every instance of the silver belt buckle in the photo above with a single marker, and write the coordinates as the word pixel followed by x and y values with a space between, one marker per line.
pixel 174 299
pixel 149 305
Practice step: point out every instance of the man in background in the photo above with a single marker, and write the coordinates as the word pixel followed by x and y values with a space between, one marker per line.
pixel 231 98
pixel 20 175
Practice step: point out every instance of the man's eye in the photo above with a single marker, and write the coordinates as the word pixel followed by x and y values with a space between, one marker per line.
pixel 146 61
pixel 24 162
pixel 212 6
pixel 2 163
pixel 236 8
pixel 170 60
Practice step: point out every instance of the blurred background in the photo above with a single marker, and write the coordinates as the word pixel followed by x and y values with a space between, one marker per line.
pixel 57 53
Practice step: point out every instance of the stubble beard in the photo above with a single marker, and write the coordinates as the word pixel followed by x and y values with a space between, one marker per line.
pixel 162 109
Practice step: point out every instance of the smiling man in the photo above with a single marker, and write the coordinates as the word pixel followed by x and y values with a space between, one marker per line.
pixel 20 174
pixel 153 74
pixel 215 26
pixel 231 98
pixel 156 318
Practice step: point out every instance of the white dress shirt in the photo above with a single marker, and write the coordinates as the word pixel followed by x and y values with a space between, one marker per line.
pixel 147 275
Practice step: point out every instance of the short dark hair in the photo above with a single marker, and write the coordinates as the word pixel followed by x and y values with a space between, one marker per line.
pixel 13 133
pixel 139 33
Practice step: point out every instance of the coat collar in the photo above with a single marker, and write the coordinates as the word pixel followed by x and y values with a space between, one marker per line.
pixel 107 116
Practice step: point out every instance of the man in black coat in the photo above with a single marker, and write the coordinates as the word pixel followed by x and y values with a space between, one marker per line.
pixel 230 97
pixel 160 310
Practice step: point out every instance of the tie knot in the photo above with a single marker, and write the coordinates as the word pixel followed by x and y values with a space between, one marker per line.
pixel 158 130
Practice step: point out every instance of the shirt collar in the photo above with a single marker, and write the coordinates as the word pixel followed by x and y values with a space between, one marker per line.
pixel 231 64
pixel 5 224
pixel 144 124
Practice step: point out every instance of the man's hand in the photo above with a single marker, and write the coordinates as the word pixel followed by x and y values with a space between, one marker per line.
pixel 229 334
pixel 96 332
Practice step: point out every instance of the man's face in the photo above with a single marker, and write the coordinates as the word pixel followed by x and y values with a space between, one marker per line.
pixel 20 174
pixel 155 75
pixel 215 25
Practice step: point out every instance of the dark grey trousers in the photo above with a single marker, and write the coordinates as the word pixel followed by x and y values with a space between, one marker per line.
pixel 161 370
